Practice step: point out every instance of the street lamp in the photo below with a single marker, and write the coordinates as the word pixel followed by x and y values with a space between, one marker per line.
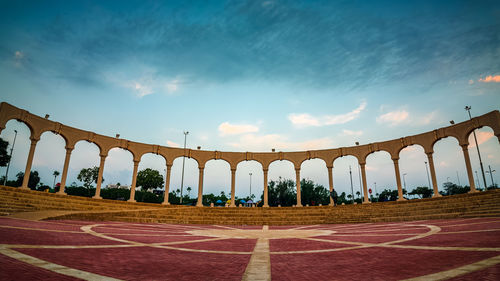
pixel 404 181
pixel 427 169
pixel 250 185
pixel 183 161
pixel 10 159
pixel 467 108
pixel 491 174
pixel 478 182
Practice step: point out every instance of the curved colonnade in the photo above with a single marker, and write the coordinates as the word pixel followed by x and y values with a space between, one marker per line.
pixel 39 125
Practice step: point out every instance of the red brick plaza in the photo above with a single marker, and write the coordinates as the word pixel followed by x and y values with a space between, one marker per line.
pixel 458 249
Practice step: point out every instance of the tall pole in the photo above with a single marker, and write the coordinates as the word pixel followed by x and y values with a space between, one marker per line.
pixel 375 183
pixel 491 174
pixel 352 190
pixel 478 182
pixel 183 161
pixel 404 181
pixel 458 179
pixel 250 185
pixel 467 108
pixel 427 169
pixel 10 159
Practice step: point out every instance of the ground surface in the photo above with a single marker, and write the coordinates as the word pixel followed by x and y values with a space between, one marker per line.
pixel 459 249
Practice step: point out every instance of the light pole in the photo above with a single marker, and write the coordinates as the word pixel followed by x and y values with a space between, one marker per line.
pixel 359 176
pixel 478 182
pixel 404 181
pixel 467 108
pixel 250 185
pixel 427 169
pixel 10 159
pixel 375 184
pixel 352 190
pixel 491 174
pixel 447 179
pixel 183 160
pixel 458 179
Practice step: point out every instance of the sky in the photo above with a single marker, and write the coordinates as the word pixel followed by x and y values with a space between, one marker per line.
pixel 252 76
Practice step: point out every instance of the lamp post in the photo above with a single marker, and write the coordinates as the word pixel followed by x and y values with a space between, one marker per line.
pixel 375 184
pixel 478 182
pixel 467 108
pixel 250 185
pixel 183 161
pixel 458 179
pixel 359 176
pixel 427 169
pixel 10 159
pixel 404 181
pixel 491 174
pixel 352 190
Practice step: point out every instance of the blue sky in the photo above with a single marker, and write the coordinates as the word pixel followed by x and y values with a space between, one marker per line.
pixel 251 76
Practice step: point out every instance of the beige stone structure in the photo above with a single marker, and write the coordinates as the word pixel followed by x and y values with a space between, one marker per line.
pixel 39 125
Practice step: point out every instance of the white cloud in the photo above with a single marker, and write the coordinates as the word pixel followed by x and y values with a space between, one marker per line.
pixel 443 164
pixel 394 118
pixel 172 144
pixel 482 137
pixel 427 119
pixel 142 89
pixel 252 142
pixel 351 133
pixel 19 55
pixel 226 129
pixel 173 85
pixel 307 120
pixel 490 79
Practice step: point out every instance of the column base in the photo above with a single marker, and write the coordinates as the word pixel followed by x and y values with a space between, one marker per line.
pixel 437 195
pixel 402 199
pixel 265 206
pixel 299 205
pixel 165 203
pixel 131 200
pixel 96 197
pixel 232 205
pixel 474 191
pixel 199 205
pixel 25 188
pixel 61 193
pixel 367 202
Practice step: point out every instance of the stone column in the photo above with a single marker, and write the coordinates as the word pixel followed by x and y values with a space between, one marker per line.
pixel 433 174
pixel 297 180
pixel 29 162
pixel 465 149
pixel 167 185
pixel 233 187
pixel 398 179
pixel 99 177
pixel 134 181
pixel 365 186
pixel 266 203
pixel 65 170
pixel 330 181
pixel 200 188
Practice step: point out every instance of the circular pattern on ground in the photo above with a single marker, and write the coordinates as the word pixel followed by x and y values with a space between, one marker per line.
pixel 462 249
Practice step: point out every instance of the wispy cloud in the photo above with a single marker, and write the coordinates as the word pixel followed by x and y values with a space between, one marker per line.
pixel 226 129
pixel 172 144
pixel 140 88
pixel 306 120
pixel 351 133
pixel 254 142
pixel 490 79
pixel 393 118
pixel 482 137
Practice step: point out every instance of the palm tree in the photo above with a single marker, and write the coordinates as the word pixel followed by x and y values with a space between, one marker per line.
pixel 55 174
pixel 358 193
pixel 188 190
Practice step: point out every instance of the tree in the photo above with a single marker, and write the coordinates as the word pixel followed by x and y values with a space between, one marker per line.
pixel 55 174
pixel 32 182
pixel 4 157
pixel 451 188
pixel 88 176
pixel 281 193
pixel 313 194
pixel 189 191
pixel 149 179
pixel 422 191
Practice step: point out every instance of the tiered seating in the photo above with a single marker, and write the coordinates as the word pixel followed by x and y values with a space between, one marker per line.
pixel 481 204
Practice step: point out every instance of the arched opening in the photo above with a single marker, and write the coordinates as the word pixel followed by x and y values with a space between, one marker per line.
pixel 48 160
pixel 151 174
pixel 380 172
pixel 189 185
pixel 281 184
pixel 246 184
pixel 118 169
pixel 314 184
pixel 85 155
pixel 216 182
pixel 415 177
pixel 490 157
pixel 346 173
pixel 19 153
pixel 451 174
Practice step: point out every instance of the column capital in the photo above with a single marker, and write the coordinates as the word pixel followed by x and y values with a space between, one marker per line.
pixel 34 140
pixel 169 166
pixel 395 160
pixel 201 168
pixel 103 156
pixel 429 153
pixel 362 164
pixel 233 170
pixel 69 148
pixel 329 166
pixel 465 146
pixel 297 170
pixel 136 162
pixel 265 170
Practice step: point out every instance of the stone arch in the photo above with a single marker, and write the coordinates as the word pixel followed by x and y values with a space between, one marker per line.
pixel 380 162
pixel 341 176
pixel 79 156
pixel 49 156
pixel 416 175
pixel 490 156
pixel 219 179
pixel 315 170
pixel 191 172
pixel 449 160
pixel 122 164
pixel 243 179
pixel 153 161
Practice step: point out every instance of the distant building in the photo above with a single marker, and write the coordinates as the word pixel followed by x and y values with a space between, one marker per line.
pixel 118 186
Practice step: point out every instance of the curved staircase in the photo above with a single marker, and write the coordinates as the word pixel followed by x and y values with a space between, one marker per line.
pixel 16 201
